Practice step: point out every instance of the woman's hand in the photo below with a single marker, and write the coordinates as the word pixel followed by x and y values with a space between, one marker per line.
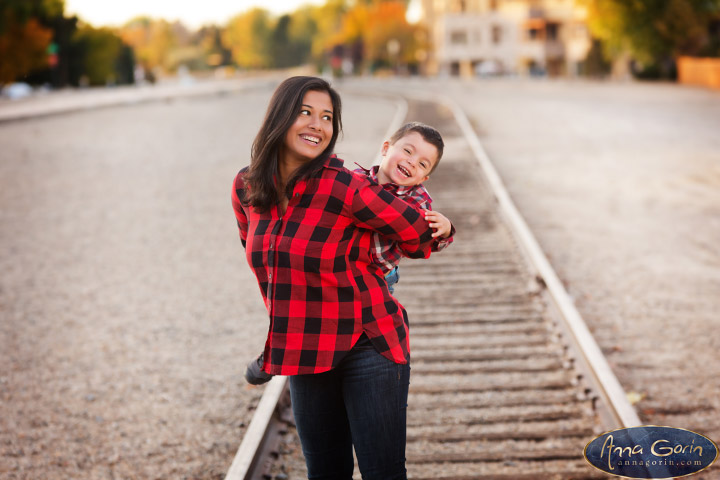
pixel 439 222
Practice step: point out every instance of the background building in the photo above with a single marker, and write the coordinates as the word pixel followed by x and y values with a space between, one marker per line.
pixel 489 37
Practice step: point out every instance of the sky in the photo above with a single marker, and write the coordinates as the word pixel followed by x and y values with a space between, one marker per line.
pixel 192 13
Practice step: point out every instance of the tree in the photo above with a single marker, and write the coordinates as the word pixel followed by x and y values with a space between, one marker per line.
pixel 26 34
pixel 104 58
pixel 376 34
pixel 328 21
pixel 652 31
pixel 389 39
pixel 23 48
pixel 302 30
pixel 214 51
pixel 152 41
pixel 248 37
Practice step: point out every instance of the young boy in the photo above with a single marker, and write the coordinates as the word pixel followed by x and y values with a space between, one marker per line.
pixel 408 158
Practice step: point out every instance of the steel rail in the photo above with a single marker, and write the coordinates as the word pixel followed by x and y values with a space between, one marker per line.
pixel 591 358
pixel 247 461
pixel 614 408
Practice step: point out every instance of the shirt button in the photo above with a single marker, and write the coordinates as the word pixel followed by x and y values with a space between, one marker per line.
pixel 270 276
pixel 271 246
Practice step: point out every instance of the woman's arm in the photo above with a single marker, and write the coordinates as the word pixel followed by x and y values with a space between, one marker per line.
pixel 238 192
pixel 376 209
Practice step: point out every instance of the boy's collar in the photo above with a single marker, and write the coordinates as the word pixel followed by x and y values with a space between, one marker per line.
pixel 393 187
pixel 371 172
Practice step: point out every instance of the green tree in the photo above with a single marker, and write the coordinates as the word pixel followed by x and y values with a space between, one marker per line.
pixel 248 37
pixel 104 58
pixel 652 31
pixel 282 50
pixel 328 21
pixel 303 29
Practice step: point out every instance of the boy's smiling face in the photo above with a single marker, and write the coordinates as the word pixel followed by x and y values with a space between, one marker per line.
pixel 408 161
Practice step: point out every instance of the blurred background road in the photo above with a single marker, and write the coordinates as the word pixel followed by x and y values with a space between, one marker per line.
pixel 129 311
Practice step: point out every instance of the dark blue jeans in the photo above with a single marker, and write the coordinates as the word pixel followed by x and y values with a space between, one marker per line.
pixel 361 402
pixel 392 277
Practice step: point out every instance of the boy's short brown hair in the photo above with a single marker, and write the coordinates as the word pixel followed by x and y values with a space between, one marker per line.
pixel 429 134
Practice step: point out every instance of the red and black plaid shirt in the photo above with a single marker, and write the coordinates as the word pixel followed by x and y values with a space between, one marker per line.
pixel 313 265
pixel 385 252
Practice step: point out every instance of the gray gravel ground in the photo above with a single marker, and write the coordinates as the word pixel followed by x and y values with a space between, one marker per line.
pixel 620 183
pixel 128 309
pixel 621 186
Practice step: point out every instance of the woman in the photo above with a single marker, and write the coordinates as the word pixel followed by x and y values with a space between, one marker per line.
pixel 306 223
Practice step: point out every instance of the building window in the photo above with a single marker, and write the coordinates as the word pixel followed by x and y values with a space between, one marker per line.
pixel 552 31
pixel 496 34
pixel 534 33
pixel 458 37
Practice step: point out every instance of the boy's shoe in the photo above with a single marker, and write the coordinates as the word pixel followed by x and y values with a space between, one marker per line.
pixel 254 373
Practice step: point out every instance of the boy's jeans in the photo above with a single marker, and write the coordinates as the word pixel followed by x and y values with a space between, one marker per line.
pixel 392 277
pixel 361 403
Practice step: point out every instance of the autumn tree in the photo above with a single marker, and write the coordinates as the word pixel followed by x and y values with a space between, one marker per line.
pixel 389 38
pixel 152 41
pixel 25 36
pixel 376 34
pixel 653 31
pixel 23 48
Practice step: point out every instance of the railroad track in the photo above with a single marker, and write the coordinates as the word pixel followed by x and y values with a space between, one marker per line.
pixel 506 381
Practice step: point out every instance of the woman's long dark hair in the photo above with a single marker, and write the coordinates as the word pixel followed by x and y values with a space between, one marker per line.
pixel 282 112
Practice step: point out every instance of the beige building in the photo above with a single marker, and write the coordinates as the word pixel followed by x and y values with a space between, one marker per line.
pixel 487 37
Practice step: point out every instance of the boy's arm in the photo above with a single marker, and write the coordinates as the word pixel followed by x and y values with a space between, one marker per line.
pixel 420 200
pixel 374 208
pixel 444 229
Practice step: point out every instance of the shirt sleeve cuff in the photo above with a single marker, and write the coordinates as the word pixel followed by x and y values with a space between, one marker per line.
pixel 441 243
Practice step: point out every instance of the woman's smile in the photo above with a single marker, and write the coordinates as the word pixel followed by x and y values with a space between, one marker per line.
pixel 310 135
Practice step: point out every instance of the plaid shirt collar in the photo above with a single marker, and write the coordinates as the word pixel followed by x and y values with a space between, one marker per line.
pixel 395 189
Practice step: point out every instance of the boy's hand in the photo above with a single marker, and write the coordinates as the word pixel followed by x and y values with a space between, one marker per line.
pixel 439 222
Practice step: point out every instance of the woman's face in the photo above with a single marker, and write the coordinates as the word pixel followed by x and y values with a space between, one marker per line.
pixel 312 131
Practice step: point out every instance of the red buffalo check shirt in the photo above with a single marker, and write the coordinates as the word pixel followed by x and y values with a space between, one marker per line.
pixel 385 252
pixel 315 272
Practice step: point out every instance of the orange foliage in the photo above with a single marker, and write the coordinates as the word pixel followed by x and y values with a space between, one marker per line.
pixel 23 49
pixel 152 41
pixel 387 22
pixel 383 30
